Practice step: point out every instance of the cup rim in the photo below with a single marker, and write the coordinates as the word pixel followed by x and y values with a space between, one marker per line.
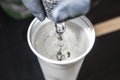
pixel 60 62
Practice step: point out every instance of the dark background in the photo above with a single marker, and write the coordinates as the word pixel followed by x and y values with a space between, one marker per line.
pixel 17 62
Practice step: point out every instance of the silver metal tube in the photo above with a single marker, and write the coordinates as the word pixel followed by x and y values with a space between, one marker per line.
pixel 49 5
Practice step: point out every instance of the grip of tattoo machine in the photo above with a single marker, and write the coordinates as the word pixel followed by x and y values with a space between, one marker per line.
pixel 48 6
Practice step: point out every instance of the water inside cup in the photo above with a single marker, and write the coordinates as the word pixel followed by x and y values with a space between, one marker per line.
pixel 75 42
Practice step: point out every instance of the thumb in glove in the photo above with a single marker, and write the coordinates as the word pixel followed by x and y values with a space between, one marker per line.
pixel 36 7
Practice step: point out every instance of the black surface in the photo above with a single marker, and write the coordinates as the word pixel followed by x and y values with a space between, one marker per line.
pixel 17 62
pixel 103 62
pixel 104 10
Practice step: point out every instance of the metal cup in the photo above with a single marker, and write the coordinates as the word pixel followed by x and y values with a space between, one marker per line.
pixel 66 69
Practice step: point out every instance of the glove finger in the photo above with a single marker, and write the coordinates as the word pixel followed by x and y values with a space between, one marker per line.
pixel 68 9
pixel 35 6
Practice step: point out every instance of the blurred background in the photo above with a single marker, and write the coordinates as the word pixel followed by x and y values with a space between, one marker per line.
pixel 17 62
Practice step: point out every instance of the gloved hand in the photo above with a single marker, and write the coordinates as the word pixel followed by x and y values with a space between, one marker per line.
pixel 64 10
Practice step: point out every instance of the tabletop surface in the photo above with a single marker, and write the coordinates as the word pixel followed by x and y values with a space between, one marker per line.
pixel 17 62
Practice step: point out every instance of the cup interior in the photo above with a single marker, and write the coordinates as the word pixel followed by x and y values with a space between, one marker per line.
pixel 79 38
